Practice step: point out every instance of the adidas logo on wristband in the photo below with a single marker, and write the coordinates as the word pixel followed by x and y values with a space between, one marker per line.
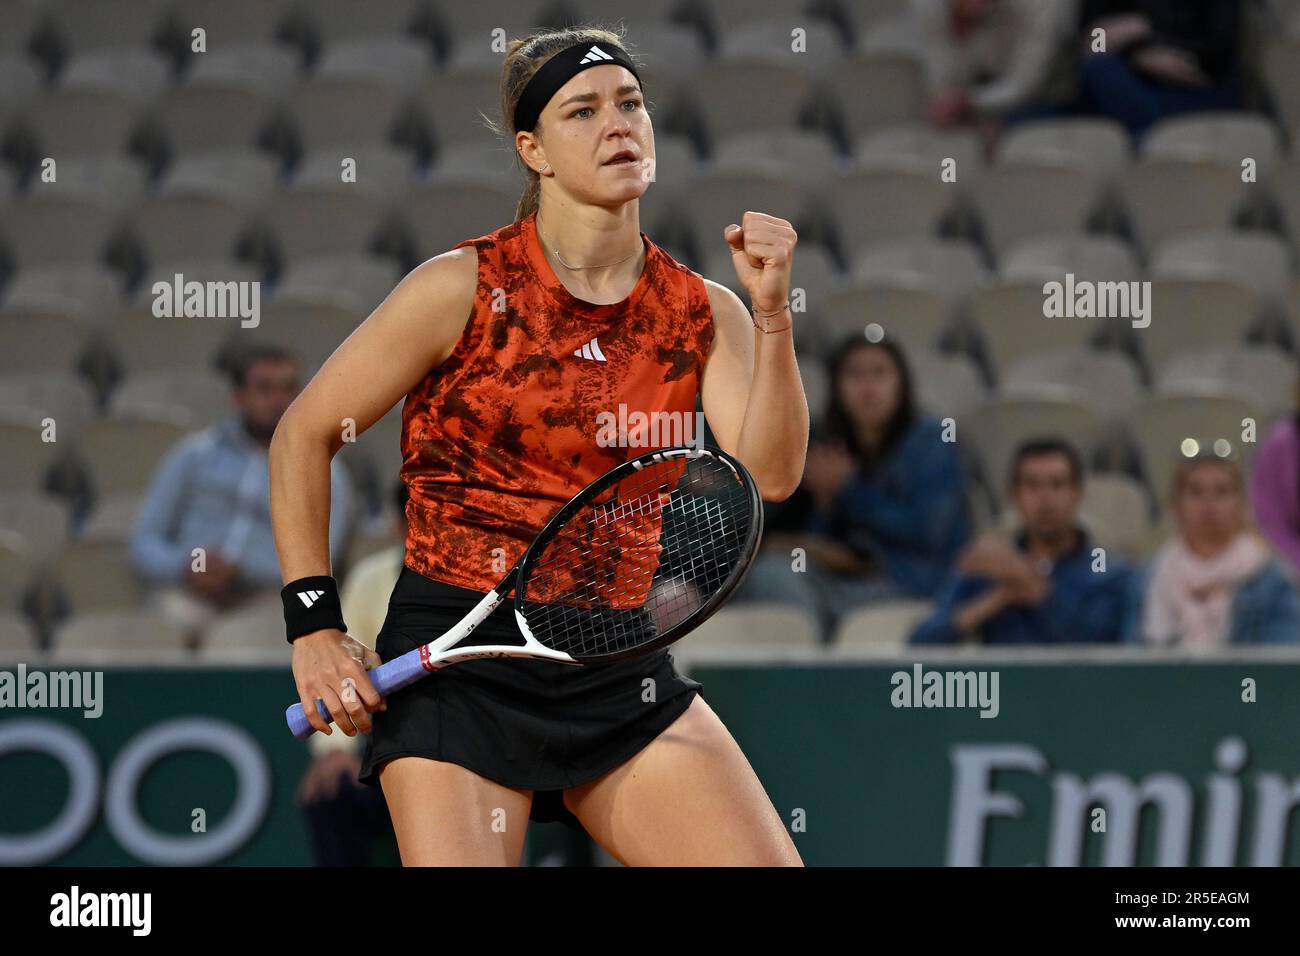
pixel 309 598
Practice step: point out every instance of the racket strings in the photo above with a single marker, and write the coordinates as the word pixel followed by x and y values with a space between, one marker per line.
pixel 639 559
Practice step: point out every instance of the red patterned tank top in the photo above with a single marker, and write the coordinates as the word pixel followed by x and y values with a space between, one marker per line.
pixel 519 418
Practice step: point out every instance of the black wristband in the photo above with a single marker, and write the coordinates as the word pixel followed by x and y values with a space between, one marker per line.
pixel 311 604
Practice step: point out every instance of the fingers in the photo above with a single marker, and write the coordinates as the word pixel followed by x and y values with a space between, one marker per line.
pixel 314 718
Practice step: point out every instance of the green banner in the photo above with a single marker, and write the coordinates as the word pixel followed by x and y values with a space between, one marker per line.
pixel 1176 762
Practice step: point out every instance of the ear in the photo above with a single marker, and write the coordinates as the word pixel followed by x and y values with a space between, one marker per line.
pixel 531 150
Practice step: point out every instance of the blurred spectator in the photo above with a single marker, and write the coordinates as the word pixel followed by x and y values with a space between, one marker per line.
pixel 989 58
pixel 883 493
pixel 1275 489
pixel 1215 582
pixel 211 492
pixel 1161 57
pixel 1049 587
pixel 346 817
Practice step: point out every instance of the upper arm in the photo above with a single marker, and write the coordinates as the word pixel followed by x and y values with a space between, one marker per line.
pixel 729 369
pixel 412 331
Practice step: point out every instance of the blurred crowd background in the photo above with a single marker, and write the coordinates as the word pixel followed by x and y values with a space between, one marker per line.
pixel 979 473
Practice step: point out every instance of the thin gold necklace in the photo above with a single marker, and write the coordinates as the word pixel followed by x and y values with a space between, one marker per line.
pixel 556 252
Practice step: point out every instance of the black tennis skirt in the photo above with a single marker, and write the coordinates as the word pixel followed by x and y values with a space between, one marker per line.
pixel 531 724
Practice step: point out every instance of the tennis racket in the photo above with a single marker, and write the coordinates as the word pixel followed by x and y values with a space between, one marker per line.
pixel 635 561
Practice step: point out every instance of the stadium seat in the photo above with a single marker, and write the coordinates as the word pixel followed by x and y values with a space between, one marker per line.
pixel 361 93
pixel 141 342
pixel 1226 138
pixel 319 214
pixel 15 570
pixel 637 13
pixel 886 626
pixel 1051 258
pixel 1011 321
pixel 950 267
pixel 454 101
pixel 474 22
pixel 1265 376
pixel 864 17
pixel 228 23
pixel 1286 190
pixel 85 25
pixel 439 213
pixel 491 159
pixel 1155 193
pixel 1257 260
pixel 1161 424
pixel 120 634
pixel 122 453
pixel 758 625
pixel 21 18
pixel 1099 147
pixel 194 398
pixel 42 521
pixel 921 148
pixel 340 21
pixel 96 575
pixel 59 395
pixel 723 92
pixel 226 100
pixel 17 636
pixel 19 81
pixel 897 91
pixel 916 318
pixel 947 386
pixel 1108 381
pixel 259 624
pixel 1191 316
pixel 366 279
pixel 1281 69
pixel 1022 201
pixel 311 328
pixel 26 463
pixel 870 205
pixel 768 32
pixel 113 518
pixel 86 291
pixel 39 342
pixel 70 220
pixel 809 156
pixel 98 102
pixel 1117 513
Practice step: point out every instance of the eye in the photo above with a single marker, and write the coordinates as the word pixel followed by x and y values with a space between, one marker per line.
pixel 635 103
pixel 585 109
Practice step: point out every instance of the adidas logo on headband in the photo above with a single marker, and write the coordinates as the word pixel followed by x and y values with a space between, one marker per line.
pixel 595 54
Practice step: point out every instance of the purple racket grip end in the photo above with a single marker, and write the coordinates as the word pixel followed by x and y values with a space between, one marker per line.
pixel 386 678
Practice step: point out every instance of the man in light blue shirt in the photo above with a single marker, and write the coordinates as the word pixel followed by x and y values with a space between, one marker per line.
pixel 203 536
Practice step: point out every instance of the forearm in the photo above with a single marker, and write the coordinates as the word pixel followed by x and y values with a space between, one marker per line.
pixel 774 433
pixel 300 501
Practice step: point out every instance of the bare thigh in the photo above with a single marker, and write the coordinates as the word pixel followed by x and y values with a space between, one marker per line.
pixel 446 815
pixel 689 798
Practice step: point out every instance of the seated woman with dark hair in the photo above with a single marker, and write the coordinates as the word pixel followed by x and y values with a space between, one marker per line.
pixel 883 512
pixel 1216 581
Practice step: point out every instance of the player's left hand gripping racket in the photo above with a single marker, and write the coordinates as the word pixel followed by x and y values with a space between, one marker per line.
pixel 632 563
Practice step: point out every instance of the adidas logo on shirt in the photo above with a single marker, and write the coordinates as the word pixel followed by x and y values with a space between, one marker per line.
pixel 310 597
pixel 591 351
pixel 594 55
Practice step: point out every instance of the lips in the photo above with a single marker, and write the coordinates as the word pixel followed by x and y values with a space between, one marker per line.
pixel 621 158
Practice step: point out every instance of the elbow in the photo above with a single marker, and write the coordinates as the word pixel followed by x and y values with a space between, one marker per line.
pixel 776 489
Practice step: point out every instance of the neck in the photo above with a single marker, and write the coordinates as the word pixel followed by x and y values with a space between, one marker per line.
pixel 1052 544
pixel 1207 546
pixel 591 242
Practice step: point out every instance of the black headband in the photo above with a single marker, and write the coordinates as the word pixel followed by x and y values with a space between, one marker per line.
pixel 558 70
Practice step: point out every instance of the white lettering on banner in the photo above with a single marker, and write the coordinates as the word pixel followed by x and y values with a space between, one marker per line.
pixel 121 814
pixel 975 804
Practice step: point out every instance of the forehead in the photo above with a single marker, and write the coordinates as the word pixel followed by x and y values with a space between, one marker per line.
pixel 1047 465
pixel 611 79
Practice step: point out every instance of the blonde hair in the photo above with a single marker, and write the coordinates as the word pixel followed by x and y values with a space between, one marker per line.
pixel 524 57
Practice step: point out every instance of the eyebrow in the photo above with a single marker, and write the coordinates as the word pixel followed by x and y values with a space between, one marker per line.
pixel 588 97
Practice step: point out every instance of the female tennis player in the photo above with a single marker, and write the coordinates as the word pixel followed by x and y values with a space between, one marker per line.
pixel 509 348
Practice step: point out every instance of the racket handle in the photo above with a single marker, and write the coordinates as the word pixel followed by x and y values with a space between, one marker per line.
pixel 386 678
